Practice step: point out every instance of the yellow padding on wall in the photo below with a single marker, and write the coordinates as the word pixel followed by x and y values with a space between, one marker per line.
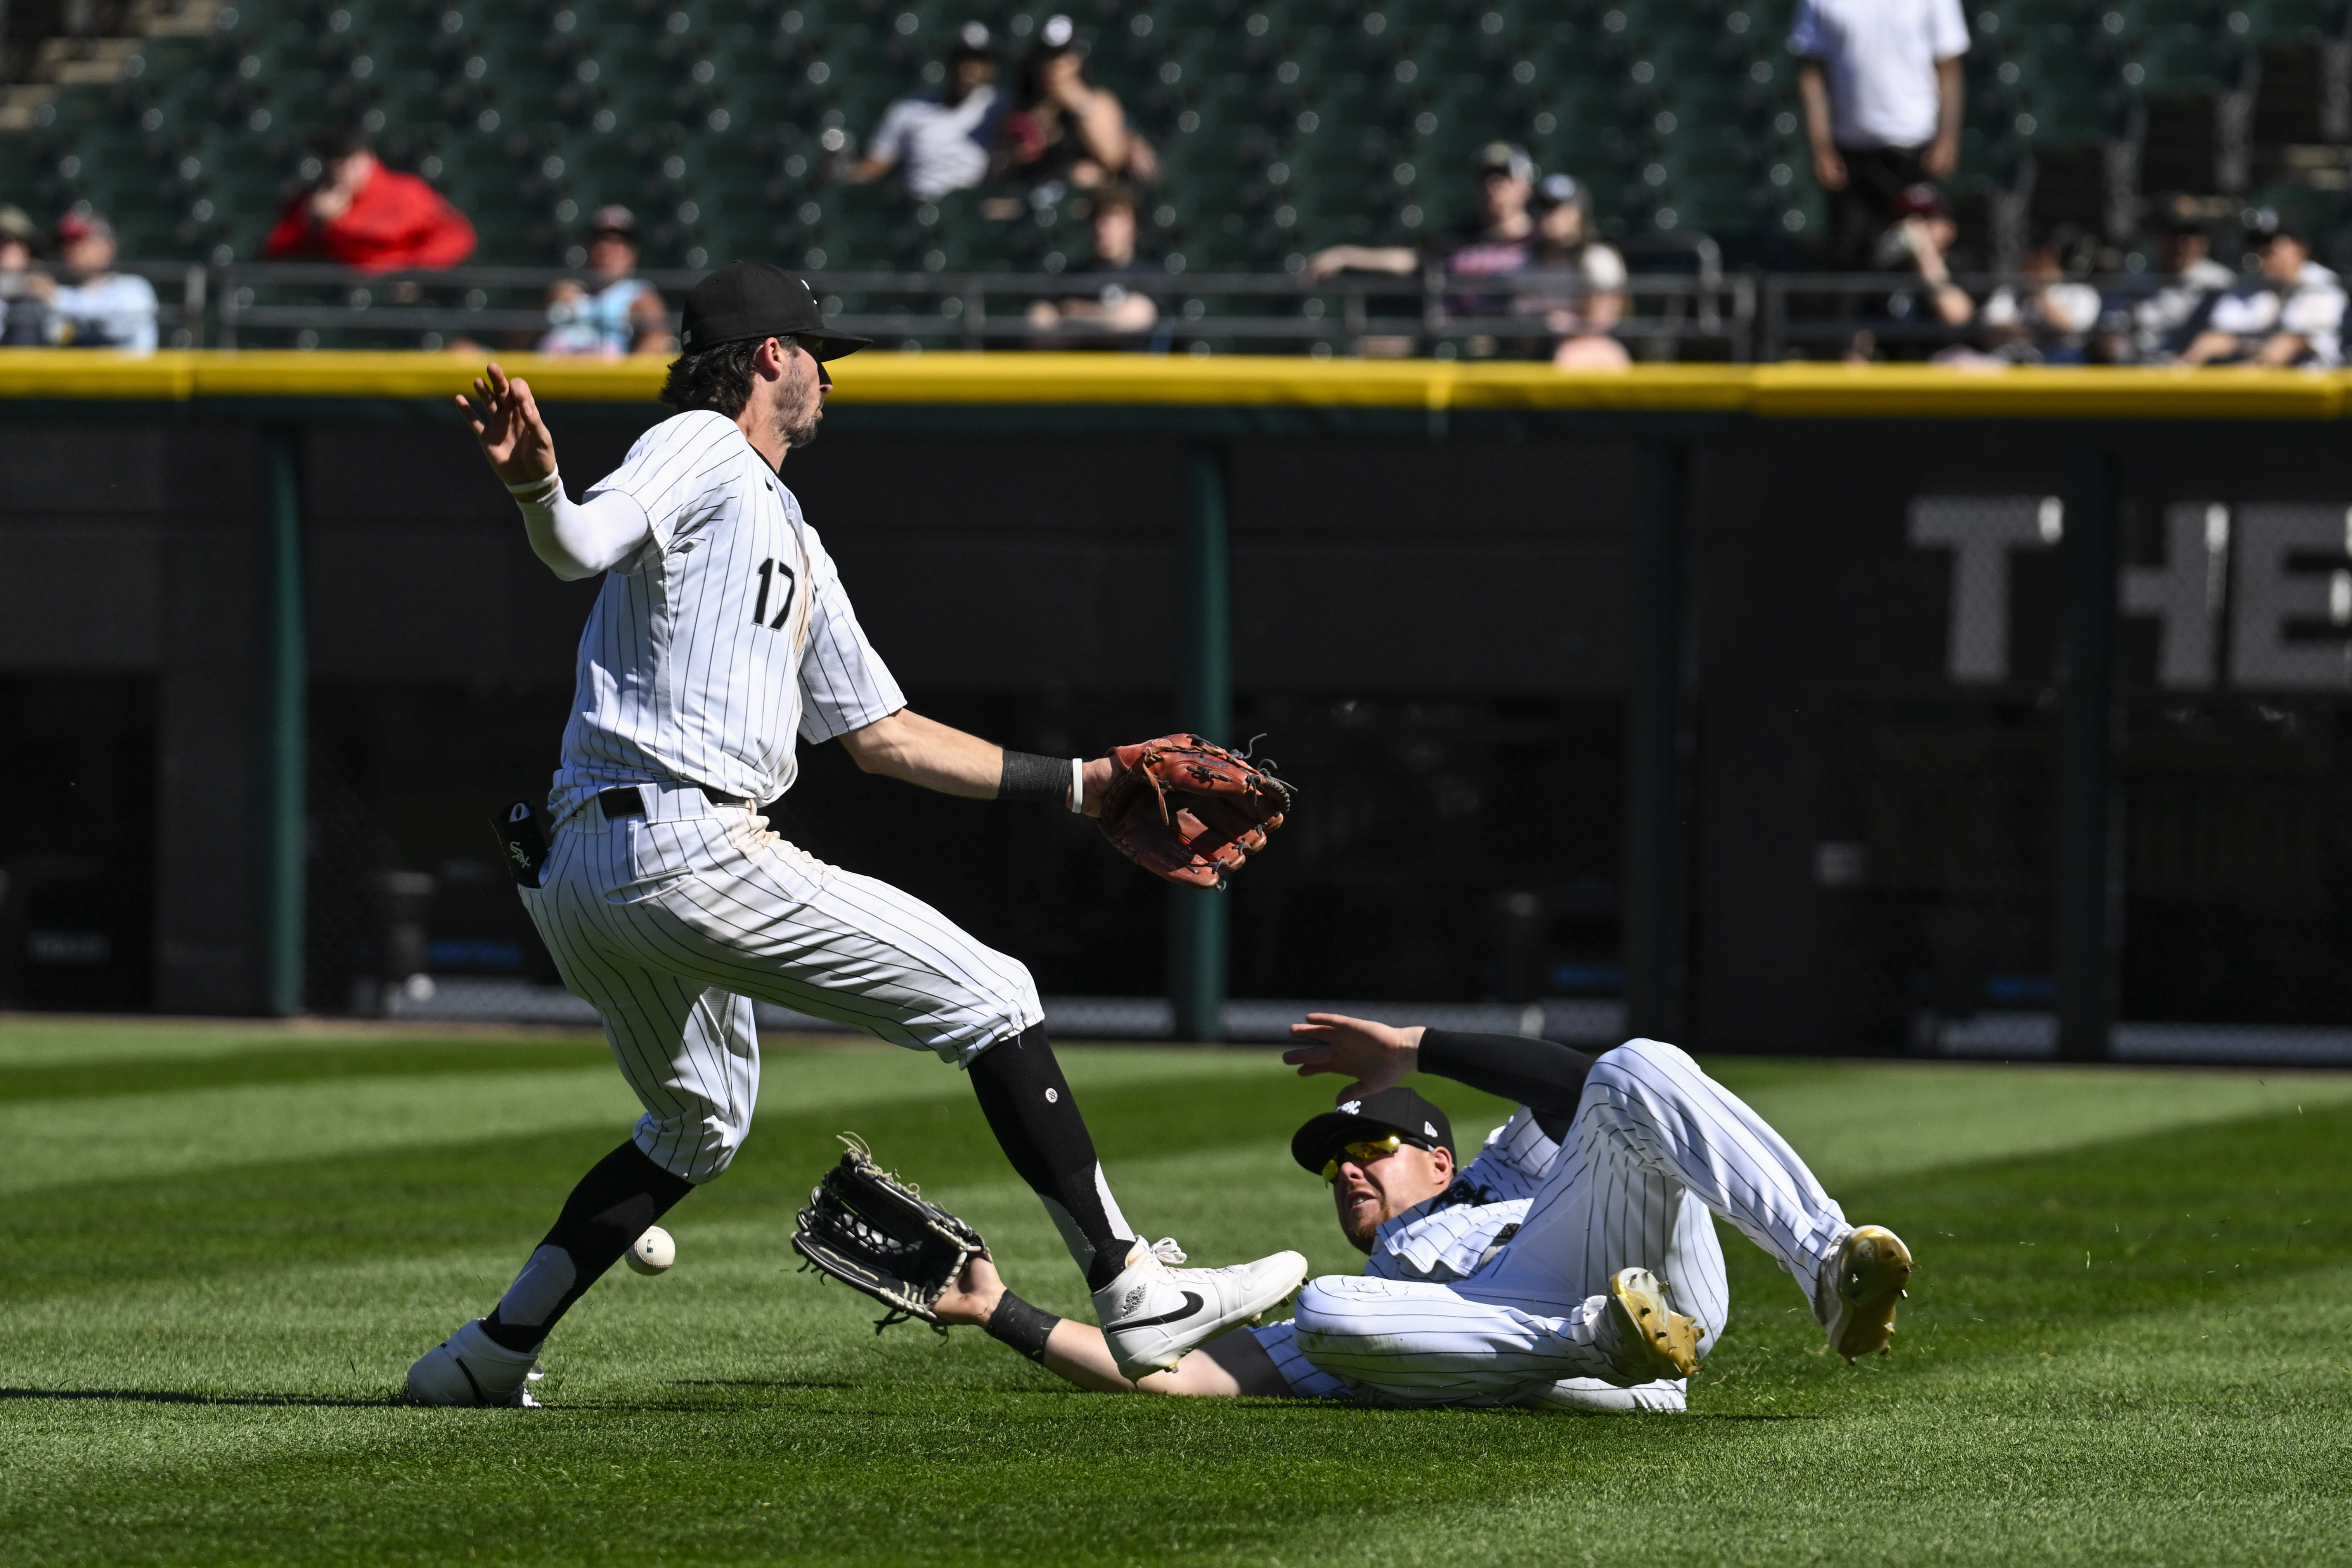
pixel 1780 391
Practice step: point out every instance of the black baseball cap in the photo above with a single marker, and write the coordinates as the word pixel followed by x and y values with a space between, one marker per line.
pixel 1398 1110
pixel 760 300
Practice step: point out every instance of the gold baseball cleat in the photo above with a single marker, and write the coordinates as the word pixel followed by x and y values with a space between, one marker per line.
pixel 1653 1342
pixel 1866 1281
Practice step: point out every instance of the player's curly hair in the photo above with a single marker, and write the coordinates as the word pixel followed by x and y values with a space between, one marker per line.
pixel 718 378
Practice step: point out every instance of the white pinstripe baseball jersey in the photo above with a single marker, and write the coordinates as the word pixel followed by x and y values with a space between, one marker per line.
pixel 1445 1315
pixel 722 639
pixel 719 644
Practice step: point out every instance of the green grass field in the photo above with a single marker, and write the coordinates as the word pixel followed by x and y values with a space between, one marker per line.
pixel 222 1245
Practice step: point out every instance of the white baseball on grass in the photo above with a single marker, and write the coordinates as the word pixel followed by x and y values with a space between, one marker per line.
pixel 653 1252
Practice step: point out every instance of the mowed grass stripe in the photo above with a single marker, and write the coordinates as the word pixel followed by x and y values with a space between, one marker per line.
pixel 200 1126
pixel 2163 1404
pixel 2042 1465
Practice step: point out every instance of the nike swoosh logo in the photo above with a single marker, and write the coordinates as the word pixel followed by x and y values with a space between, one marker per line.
pixel 1192 1305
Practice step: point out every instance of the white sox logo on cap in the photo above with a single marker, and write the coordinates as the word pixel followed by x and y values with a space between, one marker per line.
pixel 1353 1107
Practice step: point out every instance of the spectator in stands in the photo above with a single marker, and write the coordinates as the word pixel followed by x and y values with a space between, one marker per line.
pixel 1921 241
pixel 942 140
pixel 2163 324
pixel 1586 296
pixel 365 216
pixel 1122 303
pixel 2291 313
pixel 2047 317
pixel 1064 130
pixel 90 305
pixel 617 313
pixel 1498 241
pixel 23 317
pixel 1881 88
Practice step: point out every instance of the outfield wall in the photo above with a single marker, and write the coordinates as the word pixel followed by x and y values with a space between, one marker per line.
pixel 1786 700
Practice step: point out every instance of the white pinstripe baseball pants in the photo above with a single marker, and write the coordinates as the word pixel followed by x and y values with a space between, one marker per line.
pixel 1655 1147
pixel 671 923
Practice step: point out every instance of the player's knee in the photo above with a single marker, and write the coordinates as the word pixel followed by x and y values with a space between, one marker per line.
pixel 1011 1008
pixel 1638 1060
pixel 1328 1307
pixel 695 1149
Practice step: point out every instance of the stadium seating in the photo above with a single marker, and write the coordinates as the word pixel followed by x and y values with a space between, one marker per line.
pixel 1284 125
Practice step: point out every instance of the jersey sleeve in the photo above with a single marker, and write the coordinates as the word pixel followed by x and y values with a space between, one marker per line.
pixel 845 685
pixel 680 472
pixel 889 140
pixel 1541 1075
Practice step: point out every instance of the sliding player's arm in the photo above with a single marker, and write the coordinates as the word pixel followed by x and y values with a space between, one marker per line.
pixel 1232 1363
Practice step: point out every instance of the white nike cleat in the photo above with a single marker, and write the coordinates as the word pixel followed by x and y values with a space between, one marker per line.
pixel 1151 1314
pixel 471 1368
pixel 1644 1339
pixel 1858 1289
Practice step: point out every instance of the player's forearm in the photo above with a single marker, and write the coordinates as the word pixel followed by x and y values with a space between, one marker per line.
pixel 920 751
pixel 1546 1076
pixel 906 745
pixel 579 539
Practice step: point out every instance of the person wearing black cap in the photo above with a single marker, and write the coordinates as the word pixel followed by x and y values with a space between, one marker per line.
pixel 1581 279
pixel 721 637
pixel 942 140
pixel 1526 1277
pixel 617 312
pixel 2290 312
pixel 2165 322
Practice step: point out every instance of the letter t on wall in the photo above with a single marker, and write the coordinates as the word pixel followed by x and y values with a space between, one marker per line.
pixel 1980 531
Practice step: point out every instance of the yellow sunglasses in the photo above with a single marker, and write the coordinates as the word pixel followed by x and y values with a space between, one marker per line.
pixel 1365 1152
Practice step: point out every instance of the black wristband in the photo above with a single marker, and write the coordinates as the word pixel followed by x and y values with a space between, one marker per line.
pixel 1021 1326
pixel 1028 776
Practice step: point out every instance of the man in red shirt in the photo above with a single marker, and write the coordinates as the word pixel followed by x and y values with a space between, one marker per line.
pixel 366 216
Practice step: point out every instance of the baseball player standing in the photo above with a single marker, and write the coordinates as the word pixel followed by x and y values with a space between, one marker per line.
pixel 721 636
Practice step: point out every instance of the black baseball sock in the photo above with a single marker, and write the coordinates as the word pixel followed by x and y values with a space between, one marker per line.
pixel 608 1210
pixel 1030 1108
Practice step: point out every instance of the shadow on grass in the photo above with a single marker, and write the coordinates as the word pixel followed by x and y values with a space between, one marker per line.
pixel 185 1397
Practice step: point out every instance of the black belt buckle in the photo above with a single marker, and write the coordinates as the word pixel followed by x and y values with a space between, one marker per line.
pixel 522 845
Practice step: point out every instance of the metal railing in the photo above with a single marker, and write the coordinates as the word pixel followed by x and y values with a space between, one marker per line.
pixel 1700 313
pixel 1816 311
pixel 1703 312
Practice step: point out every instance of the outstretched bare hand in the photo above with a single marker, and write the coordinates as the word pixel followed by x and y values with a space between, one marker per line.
pixel 1374 1054
pixel 973 1297
pixel 505 420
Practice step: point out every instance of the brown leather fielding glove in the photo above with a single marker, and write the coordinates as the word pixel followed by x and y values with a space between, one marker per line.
pixel 1188 811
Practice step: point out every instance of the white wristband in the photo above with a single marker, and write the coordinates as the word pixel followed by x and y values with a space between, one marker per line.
pixel 1078 786
pixel 536 489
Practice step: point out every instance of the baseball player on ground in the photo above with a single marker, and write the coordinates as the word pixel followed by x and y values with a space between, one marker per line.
pixel 1571 1264
pixel 721 636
